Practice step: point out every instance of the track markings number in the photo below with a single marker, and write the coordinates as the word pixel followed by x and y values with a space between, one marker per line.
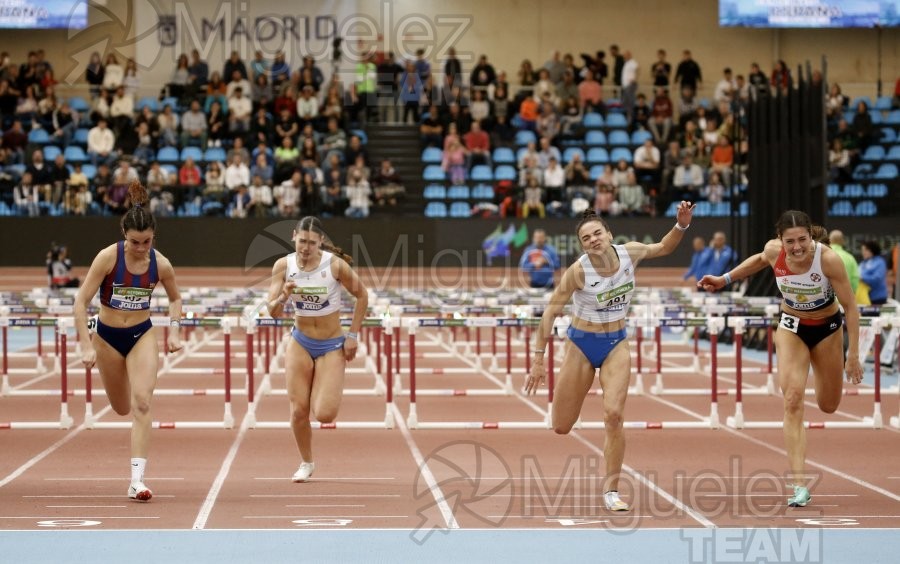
pixel 68 523
pixel 833 522
pixel 322 522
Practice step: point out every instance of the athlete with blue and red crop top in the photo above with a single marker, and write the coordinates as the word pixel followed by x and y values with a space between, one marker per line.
pixel 810 330
pixel 601 283
pixel 125 347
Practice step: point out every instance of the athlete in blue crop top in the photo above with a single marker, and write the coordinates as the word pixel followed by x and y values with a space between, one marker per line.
pixel 602 282
pixel 810 275
pixel 312 278
pixel 125 347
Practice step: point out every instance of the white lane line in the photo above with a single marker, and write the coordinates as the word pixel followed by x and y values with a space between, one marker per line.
pixel 783 452
pixel 210 501
pixel 48 451
pixel 607 516
pixel 116 479
pixel 86 496
pixel 425 472
pixel 70 517
pixel 325 495
pixel 82 506
pixel 326 516
pixel 774 494
pixel 577 436
pixel 324 478
pixel 815 506
pixel 328 505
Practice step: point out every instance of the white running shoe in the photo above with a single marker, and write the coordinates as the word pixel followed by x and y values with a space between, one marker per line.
pixel 304 472
pixel 613 502
pixel 139 492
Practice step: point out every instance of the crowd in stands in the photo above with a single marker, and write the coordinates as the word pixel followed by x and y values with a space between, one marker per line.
pixel 260 138
pixel 255 139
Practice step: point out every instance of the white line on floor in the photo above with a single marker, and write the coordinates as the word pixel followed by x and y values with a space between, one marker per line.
pixel 328 505
pixel 85 496
pixel 116 479
pixel 325 478
pixel 775 494
pixel 210 501
pixel 325 495
pixel 81 506
pixel 326 516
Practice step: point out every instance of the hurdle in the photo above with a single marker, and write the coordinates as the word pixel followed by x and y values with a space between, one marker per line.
pixel 65 420
pixel 387 423
pixel 38 357
pixel 874 422
pixel 227 422
pixel 412 420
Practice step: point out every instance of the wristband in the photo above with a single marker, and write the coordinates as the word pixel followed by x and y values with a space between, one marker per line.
pixel 175 323
pixel 727 277
pixel 353 335
pixel 680 228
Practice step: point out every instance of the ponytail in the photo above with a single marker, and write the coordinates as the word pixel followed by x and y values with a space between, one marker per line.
pixel 138 218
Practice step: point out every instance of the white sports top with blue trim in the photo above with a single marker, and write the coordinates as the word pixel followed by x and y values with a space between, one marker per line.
pixel 605 298
pixel 809 291
pixel 316 293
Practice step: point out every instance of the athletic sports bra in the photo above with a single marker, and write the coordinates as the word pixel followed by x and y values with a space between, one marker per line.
pixel 316 293
pixel 810 291
pixel 605 299
pixel 125 291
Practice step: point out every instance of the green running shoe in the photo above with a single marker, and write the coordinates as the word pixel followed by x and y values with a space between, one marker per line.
pixel 801 497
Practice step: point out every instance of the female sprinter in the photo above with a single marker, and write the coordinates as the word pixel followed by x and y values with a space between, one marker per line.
pixel 312 277
pixel 809 276
pixel 125 349
pixel 602 281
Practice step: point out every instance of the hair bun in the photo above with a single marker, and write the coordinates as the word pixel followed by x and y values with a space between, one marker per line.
pixel 588 213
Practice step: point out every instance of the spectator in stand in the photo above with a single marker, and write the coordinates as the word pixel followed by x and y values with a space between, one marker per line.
pixel 618 64
pixel 94 74
pixel 714 191
pixel 837 243
pixel 837 103
pixel 478 144
pixel 168 126
pixel 873 272
pixel 722 160
pixel 454 162
pixel 546 152
pixel 101 143
pixel 629 84
pixel 566 89
pixel 725 88
pixel 260 198
pixel 578 178
pixel 189 178
pixel 699 261
pixel 661 70
pixel 687 180
pixel 483 74
pixel 215 92
pixel 554 183
pixel 240 110
pixel 193 126
pixel 570 119
pixel 262 168
pixel 480 108
pixel 431 131
pixel 640 118
pixel 27 197
pixel 180 83
pixel 286 126
pixel 411 93
pixel 896 102
pixel 14 141
pixel 781 77
pixel 236 173
pixel 590 94
pixel 660 124
pixel 688 74
pixel 234 63
pixel 358 192
pixel 528 114
pixel 280 71
pixel 758 80
pixel 286 160
pixel 199 71
pixel 113 74
pixel 503 134
pixel 839 162
pixel 335 139
pixel 647 163
pixel 287 195
pixel 388 186
pixel 237 81
pixel 423 67
pixel 863 127
pixel 631 197
pixel 533 198
pixel 605 203
pixel 548 122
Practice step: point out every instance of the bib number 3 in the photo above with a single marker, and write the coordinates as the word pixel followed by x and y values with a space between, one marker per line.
pixel 789 322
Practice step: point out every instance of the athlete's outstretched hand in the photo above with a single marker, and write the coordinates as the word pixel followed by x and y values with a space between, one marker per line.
pixel 854 370
pixel 350 346
pixel 536 378
pixel 685 213
pixel 711 283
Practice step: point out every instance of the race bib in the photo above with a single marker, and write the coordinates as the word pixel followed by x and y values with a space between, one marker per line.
pixel 789 322
pixel 616 296
pixel 126 298
pixel 310 298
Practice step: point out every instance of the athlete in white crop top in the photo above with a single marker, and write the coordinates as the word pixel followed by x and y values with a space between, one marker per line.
pixel 602 283
pixel 312 277
pixel 809 276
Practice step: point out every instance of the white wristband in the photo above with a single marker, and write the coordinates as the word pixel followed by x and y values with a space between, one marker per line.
pixel 680 228
pixel 175 323
pixel 727 277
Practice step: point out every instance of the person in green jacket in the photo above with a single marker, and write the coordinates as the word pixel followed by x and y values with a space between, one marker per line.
pixel 837 243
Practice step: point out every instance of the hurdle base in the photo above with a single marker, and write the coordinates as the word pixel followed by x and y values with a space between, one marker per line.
pixel 324 426
pixel 895 422
pixel 162 425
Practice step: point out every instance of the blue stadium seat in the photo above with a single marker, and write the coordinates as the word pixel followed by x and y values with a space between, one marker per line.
pixel 434 173
pixel 703 209
pixel 863 171
pixel 833 191
pixel 888 135
pixel 147 102
pixel 505 172
pixel 170 169
pixel 883 103
pixel 620 154
pixel 75 154
pixel 432 155
pixel 570 153
pixel 841 208
pixel 525 137
pixel 639 136
pixel 866 208
pixel 214 155
pixel 434 192
pixel 744 209
pixel 592 120
pixel 596 171
pixel 460 209
pixel 167 155
pixel 50 152
pixel 483 192
pixel 363 137
pixel 597 155
pixel 887 171
pixel 854 191
pixel 39 136
pixel 892 118
pixel 79 104
pixel 874 153
pixel 81 136
pixel 436 209
pixel 504 155
pixel 458 192
pixel 877 191
pixel 614 121
pixel 195 153
pixel 481 173
pixel 89 170
pixel 170 101
pixel 877 118
pixel 619 137
pixel 595 138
